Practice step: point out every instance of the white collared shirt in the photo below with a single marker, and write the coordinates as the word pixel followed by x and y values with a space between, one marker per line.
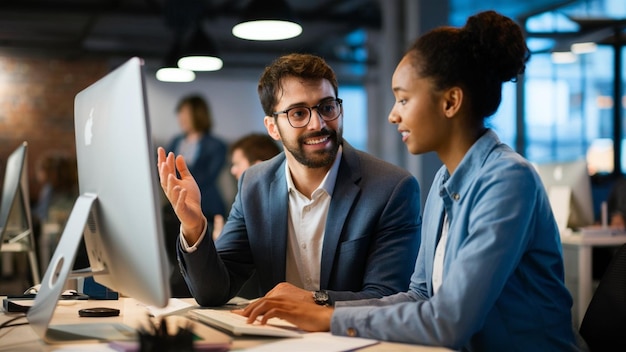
pixel 306 227
pixel 440 253
pixel 183 242
pixel 188 149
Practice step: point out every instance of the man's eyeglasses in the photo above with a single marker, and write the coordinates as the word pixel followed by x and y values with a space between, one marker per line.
pixel 300 116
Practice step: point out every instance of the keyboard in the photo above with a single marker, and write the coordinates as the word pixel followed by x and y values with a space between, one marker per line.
pixel 237 325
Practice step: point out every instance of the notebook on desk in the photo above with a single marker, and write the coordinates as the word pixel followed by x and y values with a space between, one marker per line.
pixel 237 325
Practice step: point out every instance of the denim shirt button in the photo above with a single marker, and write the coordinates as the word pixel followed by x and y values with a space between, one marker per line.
pixel 456 196
pixel 351 332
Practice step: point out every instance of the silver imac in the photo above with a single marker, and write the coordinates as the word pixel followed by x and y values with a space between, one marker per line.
pixel 117 211
pixel 16 226
pixel 572 175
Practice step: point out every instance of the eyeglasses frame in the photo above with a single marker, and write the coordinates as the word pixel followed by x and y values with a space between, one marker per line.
pixel 310 108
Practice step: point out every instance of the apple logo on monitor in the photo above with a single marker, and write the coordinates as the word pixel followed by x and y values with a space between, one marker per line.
pixel 89 127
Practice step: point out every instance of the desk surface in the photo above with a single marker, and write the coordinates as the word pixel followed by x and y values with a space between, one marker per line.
pixel 576 239
pixel 23 338
pixel 578 268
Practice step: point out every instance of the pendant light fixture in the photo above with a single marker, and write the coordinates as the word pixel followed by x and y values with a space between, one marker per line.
pixel 267 20
pixel 200 53
pixel 170 72
pixel 175 74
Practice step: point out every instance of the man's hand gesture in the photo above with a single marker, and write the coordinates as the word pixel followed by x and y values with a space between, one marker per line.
pixel 183 193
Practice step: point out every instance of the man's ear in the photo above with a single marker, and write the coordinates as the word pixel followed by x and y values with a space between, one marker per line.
pixel 272 129
pixel 452 101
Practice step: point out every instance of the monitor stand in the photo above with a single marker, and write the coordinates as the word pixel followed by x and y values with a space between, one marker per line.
pixel 23 239
pixel 15 215
pixel 58 272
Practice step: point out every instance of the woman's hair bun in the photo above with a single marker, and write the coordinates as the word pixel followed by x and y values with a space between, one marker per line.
pixel 497 45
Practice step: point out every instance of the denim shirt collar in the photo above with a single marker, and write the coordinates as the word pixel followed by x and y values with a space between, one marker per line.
pixel 453 187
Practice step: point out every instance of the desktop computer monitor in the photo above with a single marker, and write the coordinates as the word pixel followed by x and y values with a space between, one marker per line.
pixel 16 227
pixel 118 208
pixel 569 187
pixel 15 221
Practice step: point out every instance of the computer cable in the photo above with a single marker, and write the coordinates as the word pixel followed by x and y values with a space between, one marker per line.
pixel 7 324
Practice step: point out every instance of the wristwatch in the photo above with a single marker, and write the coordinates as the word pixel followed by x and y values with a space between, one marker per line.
pixel 321 297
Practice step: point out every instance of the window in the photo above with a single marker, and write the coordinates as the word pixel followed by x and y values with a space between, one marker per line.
pixel 354 115
pixel 503 121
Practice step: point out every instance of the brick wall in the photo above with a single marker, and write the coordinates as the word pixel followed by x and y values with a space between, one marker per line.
pixel 37 105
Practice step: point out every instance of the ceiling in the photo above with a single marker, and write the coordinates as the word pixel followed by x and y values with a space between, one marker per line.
pixel 516 9
pixel 118 29
pixel 146 28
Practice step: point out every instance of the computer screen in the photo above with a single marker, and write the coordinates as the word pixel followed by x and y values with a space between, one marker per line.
pixel 16 227
pixel 118 209
pixel 569 178
pixel 14 215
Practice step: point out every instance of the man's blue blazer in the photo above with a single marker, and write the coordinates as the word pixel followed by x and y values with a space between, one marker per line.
pixel 370 243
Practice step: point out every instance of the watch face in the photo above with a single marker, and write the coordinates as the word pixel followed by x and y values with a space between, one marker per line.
pixel 321 297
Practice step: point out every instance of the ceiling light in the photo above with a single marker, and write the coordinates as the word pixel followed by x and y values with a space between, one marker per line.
pixel 584 48
pixel 267 20
pixel 175 74
pixel 563 57
pixel 200 63
pixel 200 53
pixel 267 30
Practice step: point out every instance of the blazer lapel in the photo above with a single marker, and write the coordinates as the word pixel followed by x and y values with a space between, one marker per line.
pixel 343 197
pixel 279 211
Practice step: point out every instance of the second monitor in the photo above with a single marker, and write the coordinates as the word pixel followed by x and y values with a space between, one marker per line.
pixel 569 179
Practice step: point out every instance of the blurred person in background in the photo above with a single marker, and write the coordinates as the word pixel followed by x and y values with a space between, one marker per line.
pixel 205 154
pixel 245 152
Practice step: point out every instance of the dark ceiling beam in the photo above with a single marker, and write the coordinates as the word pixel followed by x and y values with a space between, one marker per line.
pixel 348 6
pixel 82 41
pixel 362 15
pixel 366 13
pixel 547 8
pixel 81 8
pixel 591 24
pixel 553 35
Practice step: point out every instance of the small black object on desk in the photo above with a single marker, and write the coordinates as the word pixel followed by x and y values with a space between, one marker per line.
pixel 98 312
pixel 157 338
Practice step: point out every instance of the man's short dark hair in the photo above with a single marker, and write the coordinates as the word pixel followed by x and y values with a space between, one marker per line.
pixel 305 66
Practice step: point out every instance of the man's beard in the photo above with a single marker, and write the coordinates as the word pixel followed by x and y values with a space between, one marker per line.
pixel 320 158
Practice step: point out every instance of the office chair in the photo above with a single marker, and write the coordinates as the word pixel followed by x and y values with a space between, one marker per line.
pixel 604 326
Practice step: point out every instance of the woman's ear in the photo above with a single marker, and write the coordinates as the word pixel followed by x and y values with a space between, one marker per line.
pixel 452 100
pixel 272 129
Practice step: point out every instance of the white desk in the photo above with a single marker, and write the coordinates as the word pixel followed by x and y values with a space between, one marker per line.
pixel 583 246
pixel 23 338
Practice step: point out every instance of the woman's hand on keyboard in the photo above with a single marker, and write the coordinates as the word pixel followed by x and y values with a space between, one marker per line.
pixel 285 289
pixel 306 316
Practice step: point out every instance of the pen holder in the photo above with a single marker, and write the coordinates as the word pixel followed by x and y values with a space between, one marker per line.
pixel 157 338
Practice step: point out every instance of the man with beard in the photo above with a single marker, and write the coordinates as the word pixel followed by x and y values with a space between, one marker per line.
pixel 320 222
